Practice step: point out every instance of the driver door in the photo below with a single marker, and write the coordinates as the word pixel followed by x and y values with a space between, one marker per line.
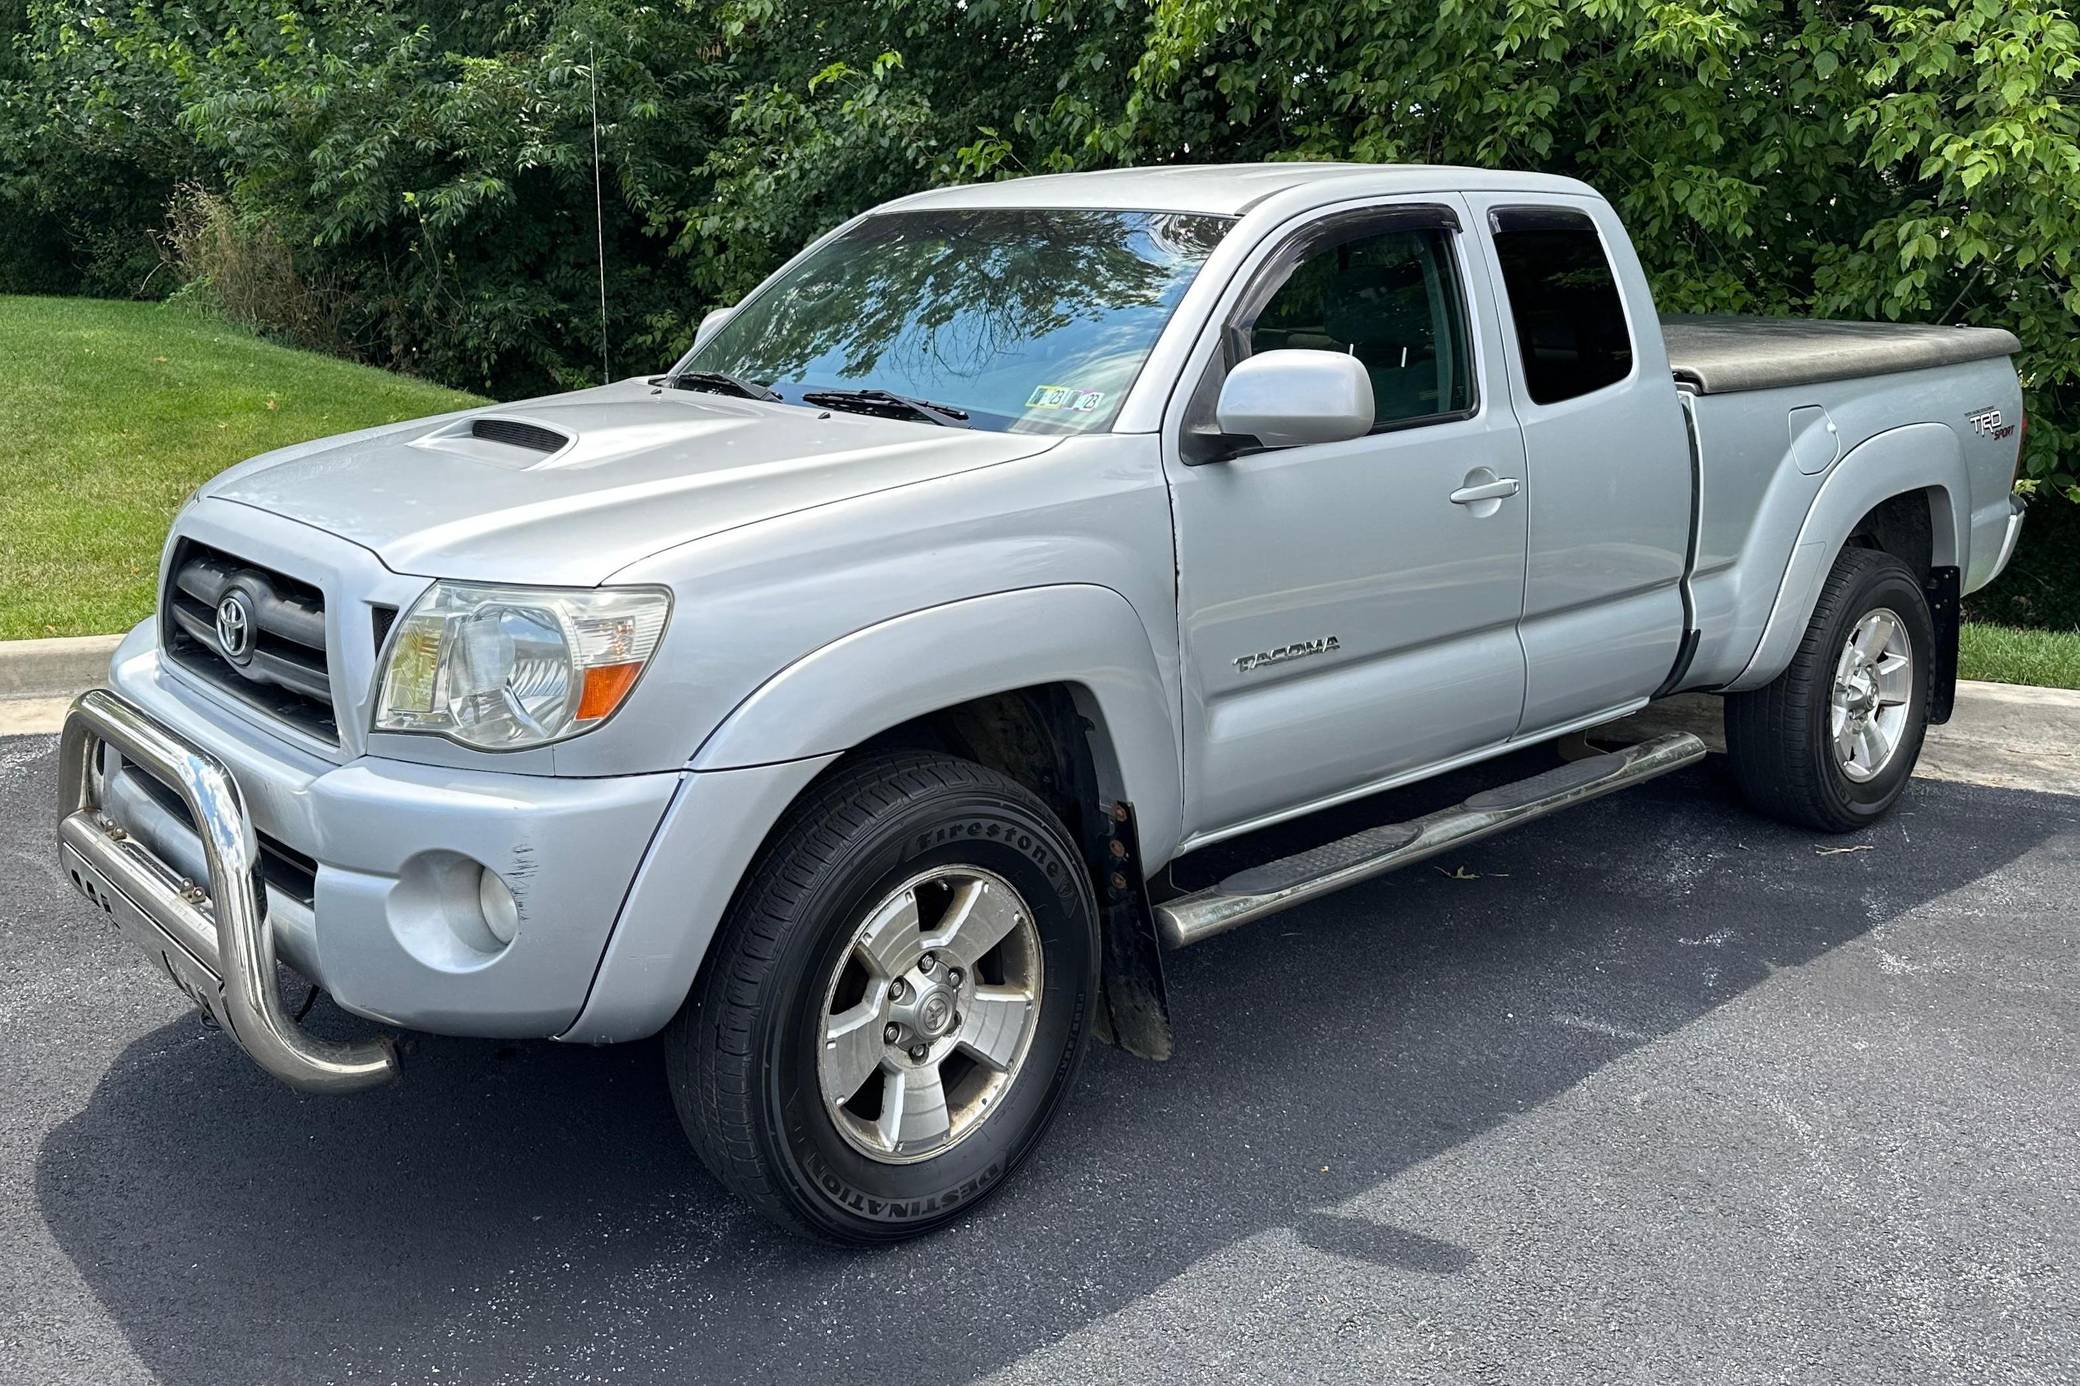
pixel 1348 615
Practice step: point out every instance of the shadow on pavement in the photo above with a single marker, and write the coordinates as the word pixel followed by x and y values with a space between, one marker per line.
pixel 532 1211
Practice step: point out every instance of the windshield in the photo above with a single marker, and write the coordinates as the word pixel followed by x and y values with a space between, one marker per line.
pixel 1015 320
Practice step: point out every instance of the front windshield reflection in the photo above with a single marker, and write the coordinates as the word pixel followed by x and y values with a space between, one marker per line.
pixel 1028 320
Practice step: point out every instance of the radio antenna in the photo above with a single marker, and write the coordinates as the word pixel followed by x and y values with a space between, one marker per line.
pixel 599 217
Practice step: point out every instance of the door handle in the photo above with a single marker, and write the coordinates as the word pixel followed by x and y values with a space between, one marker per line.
pixel 1486 491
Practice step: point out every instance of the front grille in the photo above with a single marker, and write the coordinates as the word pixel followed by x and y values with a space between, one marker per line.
pixel 257 633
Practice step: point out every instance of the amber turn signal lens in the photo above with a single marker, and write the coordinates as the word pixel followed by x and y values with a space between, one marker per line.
pixel 605 686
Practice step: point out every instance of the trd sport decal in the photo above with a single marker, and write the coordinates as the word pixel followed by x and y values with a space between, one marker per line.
pixel 1987 423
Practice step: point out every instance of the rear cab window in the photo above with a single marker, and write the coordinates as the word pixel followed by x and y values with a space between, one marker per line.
pixel 1572 337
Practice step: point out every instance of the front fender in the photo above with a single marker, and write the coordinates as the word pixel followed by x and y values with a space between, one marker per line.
pixel 1086 636
pixel 1923 457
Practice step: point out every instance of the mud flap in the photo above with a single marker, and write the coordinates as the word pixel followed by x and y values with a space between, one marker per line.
pixel 1136 1016
pixel 1942 589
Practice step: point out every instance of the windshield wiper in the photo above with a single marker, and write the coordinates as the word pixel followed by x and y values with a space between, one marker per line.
pixel 889 404
pixel 722 383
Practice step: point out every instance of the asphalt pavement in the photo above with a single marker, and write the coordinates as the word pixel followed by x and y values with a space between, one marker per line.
pixel 1652 1091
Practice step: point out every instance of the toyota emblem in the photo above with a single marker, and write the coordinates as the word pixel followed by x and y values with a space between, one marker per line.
pixel 235 626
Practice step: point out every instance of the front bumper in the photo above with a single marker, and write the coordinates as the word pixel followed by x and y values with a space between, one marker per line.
pixel 389 850
pixel 620 880
pixel 217 947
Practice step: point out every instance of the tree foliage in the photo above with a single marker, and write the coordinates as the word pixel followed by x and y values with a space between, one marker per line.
pixel 1849 160
pixel 429 163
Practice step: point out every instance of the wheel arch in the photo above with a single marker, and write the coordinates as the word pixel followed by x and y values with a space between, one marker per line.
pixel 1073 658
pixel 1058 687
pixel 1075 646
pixel 1052 739
pixel 1905 492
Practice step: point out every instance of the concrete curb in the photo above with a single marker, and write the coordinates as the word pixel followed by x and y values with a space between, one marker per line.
pixel 54 668
pixel 1999 734
pixel 32 716
pixel 2020 694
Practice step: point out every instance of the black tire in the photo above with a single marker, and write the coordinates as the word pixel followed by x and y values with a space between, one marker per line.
pixel 742 1054
pixel 1778 736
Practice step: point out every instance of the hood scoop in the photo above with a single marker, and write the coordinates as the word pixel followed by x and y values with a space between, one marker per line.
pixel 520 433
pixel 552 439
pixel 501 440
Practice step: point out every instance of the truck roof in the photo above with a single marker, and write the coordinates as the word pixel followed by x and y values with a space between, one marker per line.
pixel 1232 189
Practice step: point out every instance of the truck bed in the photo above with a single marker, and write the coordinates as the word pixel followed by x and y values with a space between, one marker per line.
pixel 1775 404
pixel 1716 355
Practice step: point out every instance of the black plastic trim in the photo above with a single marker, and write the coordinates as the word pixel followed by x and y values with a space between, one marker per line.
pixel 1533 217
pixel 1944 589
pixel 519 433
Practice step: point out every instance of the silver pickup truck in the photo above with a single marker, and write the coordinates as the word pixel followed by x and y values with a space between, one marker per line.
pixel 839 703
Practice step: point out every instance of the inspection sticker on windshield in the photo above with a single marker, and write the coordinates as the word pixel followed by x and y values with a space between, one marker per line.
pixel 1065 397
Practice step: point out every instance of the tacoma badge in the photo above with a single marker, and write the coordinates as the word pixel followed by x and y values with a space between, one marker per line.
pixel 1299 649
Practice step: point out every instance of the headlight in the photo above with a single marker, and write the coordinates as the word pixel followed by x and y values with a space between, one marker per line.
pixel 505 668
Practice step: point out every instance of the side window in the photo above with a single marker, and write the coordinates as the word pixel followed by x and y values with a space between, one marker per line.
pixel 1391 299
pixel 1564 299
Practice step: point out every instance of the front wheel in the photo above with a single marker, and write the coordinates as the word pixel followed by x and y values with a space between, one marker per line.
pixel 1831 742
pixel 896 1003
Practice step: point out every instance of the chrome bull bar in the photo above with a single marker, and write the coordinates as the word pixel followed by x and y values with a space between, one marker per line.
pixel 216 946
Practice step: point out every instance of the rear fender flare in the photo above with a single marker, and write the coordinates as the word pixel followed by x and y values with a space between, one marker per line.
pixel 1924 457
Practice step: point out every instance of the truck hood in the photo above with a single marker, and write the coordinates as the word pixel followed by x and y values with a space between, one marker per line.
pixel 570 489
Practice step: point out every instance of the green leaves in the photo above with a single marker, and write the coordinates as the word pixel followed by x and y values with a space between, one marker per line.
pixel 1811 156
pixel 433 164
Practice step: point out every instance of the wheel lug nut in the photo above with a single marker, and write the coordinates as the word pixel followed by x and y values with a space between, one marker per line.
pixel 896 990
pixel 953 976
pixel 918 1052
pixel 891 1034
pixel 927 963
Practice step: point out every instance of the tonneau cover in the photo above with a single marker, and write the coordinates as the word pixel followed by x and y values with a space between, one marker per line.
pixel 1718 355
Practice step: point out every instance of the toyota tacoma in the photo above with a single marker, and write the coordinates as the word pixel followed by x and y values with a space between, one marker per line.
pixel 839 703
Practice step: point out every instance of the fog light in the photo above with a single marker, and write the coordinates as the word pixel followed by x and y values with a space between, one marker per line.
pixel 501 910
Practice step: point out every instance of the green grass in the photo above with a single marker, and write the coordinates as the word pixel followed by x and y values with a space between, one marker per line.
pixel 2006 654
pixel 112 413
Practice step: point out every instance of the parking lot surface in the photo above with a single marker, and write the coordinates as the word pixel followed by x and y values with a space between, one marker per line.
pixel 1651 1091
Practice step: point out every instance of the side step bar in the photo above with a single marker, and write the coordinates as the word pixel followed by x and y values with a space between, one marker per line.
pixel 1280 885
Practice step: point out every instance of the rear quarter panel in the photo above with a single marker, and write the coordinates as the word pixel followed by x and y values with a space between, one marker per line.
pixel 1768 531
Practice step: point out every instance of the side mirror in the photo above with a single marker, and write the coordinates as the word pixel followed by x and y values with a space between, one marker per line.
pixel 716 317
pixel 1286 398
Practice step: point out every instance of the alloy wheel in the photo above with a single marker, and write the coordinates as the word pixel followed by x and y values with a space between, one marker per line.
pixel 928 1015
pixel 1873 688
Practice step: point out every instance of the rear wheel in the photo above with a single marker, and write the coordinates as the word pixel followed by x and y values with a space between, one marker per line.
pixel 896 1003
pixel 1830 743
